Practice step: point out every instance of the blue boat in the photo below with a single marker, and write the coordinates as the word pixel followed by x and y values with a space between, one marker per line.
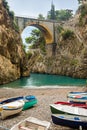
pixel 29 101
pixel 78 93
pixel 72 121
pixel 72 94
pixel 77 97
pixel 29 97
pixel 12 99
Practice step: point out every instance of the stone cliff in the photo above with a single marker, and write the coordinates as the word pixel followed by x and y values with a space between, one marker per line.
pixel 70 58
pixel 13 62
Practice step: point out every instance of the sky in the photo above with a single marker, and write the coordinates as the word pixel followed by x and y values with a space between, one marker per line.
pixel 33 8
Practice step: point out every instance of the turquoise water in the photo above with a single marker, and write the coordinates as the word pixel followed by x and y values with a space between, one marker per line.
pixel 45 80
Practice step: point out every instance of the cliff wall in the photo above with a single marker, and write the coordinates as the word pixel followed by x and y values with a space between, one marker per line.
pixel 13 62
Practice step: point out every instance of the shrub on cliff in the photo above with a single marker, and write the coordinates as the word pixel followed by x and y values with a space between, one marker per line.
pixel 11 13
pixel 5 4
pixel 67 34
pixel 83 15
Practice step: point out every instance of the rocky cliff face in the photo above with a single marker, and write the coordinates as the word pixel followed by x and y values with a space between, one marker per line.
pixel 71 53
pixel 13 63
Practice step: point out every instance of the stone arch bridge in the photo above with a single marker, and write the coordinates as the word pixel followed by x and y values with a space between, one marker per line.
pixel 47 27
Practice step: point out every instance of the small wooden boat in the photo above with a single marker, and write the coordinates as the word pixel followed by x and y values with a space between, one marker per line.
pixel 72 104
pixel 61 109
pixel 81 99
pixel 12 99
pixel 76 122
pixel 11 108
pixel 29 103
pixel 29 97
pixel 77 97
pixel 71 94
pixel 31 123
pixel 83 93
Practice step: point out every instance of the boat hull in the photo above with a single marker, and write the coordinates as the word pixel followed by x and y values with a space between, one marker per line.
pixel 29 104
pixel 5 113
pixel 56 111
pixel 75 123
pixel 61 109
pixel 11 108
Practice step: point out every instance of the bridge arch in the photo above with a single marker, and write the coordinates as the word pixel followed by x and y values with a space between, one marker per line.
pixel 45 31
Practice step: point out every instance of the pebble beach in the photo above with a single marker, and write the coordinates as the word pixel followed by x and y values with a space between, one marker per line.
pixel 41 110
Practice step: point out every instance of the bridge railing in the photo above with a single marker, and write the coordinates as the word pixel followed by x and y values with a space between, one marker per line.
pixel 36 18
pixel 26 16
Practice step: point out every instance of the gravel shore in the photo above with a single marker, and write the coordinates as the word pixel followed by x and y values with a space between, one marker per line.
pixel 41 110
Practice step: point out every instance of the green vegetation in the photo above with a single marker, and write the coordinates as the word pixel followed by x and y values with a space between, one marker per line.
pixel 5 4
pixel 16 27
pixel 74 62
pixel 51 14
pixel 59 15
pixel 41 17
pixel 59 29
pixel 36 40
pixel 83 11
pixel 11 14
pixel 67 34
pixel 63 15
pixel 35 35
pixel 80 1
pixel 29 55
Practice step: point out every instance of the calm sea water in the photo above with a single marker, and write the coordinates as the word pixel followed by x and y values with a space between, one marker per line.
pixel 45 80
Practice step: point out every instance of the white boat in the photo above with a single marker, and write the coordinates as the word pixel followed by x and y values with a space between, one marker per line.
pixel 11 108
pixel 60 109
pixel 76 94
pixel 78 99
pixel 31 123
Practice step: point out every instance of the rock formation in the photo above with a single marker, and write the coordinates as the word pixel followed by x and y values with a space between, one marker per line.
pixel 13 62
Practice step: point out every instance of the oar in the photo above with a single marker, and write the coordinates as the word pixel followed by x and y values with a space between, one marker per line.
pixel 4 128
